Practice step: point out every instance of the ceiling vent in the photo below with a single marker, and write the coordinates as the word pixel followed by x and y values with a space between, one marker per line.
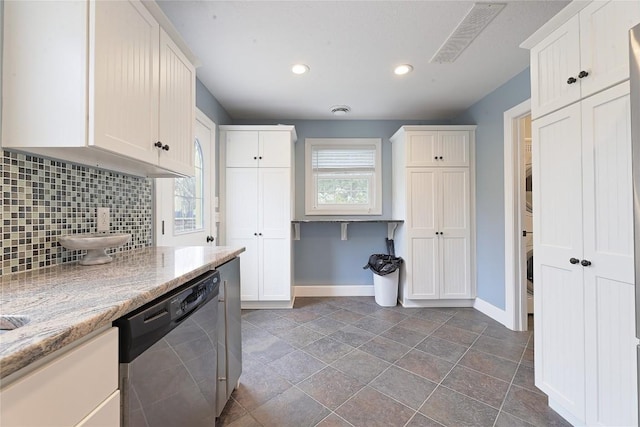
pixel 340 110
pixel 472 24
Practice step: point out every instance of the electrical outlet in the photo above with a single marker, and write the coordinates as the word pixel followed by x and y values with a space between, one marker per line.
pixel 103 220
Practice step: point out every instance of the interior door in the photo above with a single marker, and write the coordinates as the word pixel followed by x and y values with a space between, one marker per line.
pixel 186 206
pixel 559 295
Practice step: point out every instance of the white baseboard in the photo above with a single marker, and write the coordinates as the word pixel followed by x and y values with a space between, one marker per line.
pixel 435 303
pixel 497 314
pixel 334 291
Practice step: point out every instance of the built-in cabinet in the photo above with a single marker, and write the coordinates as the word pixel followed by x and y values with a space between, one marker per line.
pixel 75 387
pixel 585 358
pixel 583 56
pixel 259 203
pixel 432 194
pixel 99 83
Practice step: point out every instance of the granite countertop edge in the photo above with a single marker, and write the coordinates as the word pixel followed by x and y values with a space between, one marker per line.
pixel 68 302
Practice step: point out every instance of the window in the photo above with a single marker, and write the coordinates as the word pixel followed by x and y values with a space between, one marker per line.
pixel 188 197
pixel 343 176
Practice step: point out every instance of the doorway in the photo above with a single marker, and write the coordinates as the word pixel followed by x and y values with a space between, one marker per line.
pixel 518 216
pixel 185 207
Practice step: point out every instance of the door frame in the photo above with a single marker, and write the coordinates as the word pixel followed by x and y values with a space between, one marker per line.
pixel 515 290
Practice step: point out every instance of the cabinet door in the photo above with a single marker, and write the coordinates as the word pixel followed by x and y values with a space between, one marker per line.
pixel 176 108
pixel 275 149
pixel 423 270
pixel 125 99
pixel 553 62
pixel 107 414
pixel 453 148
pixel 242 224
pixel 274 224
pixel 454 226
pixel 242 149
pixel 422 148
pixel 559 293
pixel 604 43
pixel 608 244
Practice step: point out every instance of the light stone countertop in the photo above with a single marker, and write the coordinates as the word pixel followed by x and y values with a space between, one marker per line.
pixel 69 301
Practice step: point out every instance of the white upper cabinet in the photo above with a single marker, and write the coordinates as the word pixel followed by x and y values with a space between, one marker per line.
pixel 436 148
pixel 254 148
pixel 586 54
pixel 98 83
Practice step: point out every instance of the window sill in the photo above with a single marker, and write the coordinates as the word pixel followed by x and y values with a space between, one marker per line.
pixel 392 224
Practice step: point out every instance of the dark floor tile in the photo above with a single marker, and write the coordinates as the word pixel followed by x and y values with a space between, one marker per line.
pixel 260 317
pixel 301 336
pixel 244 421
pixel 231 412
pixel 500 348
pixel 420 420
pixel 489 364
pixel 454 409
pixel 403 386
pixel 277 411
pixel 297 366
pixel 422 326
pixel 533 407
pixel 374 325
pixel 327 349
pixel 425 365
pixel 361 366
pixel 507 420
pixel 321 309
pixel 476 326
pixel 266 348
pixel 444 349
pixel 325 325
pixel 345 316
pixel 527 357
pixel 403 336
pixel 432 315
pixel 352 336
pixel 279 326
pixel 385 349
pixel 330 387
pixel 393 316
pixel 370 408
pixel 525 377
pixel 476 385
pixel 502 333
pixel 456 335
pixel 473 314
pixel 256 387
pixel 333 421
pixel 301 316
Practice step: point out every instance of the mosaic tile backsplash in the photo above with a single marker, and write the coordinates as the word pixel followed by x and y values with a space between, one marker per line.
pixel 44 198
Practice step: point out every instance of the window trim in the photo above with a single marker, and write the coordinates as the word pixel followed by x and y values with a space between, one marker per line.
pixel 374 208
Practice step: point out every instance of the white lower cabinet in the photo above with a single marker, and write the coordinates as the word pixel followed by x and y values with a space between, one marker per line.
pixel 78 387
pixel 585 355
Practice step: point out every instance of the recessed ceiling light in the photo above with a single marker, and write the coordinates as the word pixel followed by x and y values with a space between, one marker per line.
pixel 300 69
pixel 340 110
pixel 403 69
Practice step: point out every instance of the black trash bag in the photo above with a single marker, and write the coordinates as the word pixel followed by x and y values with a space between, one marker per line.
pixel 382 264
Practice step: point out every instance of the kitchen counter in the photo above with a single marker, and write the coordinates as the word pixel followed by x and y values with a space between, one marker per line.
pixel 69 301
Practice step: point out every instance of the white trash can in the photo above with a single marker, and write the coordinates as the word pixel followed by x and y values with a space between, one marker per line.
pixel 385 288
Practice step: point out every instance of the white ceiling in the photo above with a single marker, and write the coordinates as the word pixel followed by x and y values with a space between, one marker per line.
pixel 247 48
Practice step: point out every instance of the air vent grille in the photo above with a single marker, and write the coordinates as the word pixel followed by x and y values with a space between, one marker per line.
pixel 471 25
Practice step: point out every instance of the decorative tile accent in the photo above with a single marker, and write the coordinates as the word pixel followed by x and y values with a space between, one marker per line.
pixel 44 198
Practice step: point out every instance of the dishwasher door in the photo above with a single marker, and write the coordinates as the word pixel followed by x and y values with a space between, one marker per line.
pixel 172 382
pixel 229 332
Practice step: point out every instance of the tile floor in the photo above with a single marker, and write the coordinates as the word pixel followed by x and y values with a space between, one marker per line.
pixel 349 362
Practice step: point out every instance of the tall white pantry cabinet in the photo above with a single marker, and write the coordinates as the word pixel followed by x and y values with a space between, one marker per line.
pixel 259 199
pixel 433 194
pixel 585 358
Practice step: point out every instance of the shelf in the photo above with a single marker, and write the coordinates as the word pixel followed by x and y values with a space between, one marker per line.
pixel 392 224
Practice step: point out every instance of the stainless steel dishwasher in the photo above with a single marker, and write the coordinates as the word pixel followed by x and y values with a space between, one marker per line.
pixel 229 332
pixel 168 358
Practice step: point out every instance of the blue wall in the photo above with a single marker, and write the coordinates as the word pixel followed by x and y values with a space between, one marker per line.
pixel 210 106
pixel 488 114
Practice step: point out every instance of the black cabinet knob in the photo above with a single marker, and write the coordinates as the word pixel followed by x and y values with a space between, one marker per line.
pixel 435 158
pixel 255 234
pixel 571 80
pixel 583 74
pixel 440 157
pixel 259 234
pixel 165 147
pixel 574 260
pixel 209 239
pixel 158 144
pixel 255 157
pixel 259 157
pixel 585 263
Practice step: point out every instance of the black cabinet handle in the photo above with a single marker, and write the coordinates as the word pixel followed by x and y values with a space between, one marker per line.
pixel 571 80
pixel 585 263
pixel 583 74
pixel 435 158
pixel 440 157
pixel 165 147
pixel 574 260
pixel 259 157
pixel 158 144
pixel 255 234
pixel 259 234
pixel 255 157
pixel 209 239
